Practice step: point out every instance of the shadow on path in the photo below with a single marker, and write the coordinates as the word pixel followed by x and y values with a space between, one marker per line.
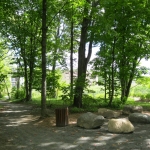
pixel 18 131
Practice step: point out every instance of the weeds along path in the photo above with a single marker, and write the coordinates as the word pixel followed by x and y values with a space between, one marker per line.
pixel 21 129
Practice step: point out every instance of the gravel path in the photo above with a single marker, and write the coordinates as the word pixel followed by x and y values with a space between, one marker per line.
pixel 20 130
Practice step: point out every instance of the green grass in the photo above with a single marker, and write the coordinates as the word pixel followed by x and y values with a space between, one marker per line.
pixel 145 105
pixel 140 91
pixel 52 104
pixel 143 93
pixel 95 91
pixel 94 99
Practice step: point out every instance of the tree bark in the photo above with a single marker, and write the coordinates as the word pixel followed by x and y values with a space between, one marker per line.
pixel 71 59
pixel 26 79
pixel 82 64
pixel 31 68
pixel 44 31
pixel 129 81
pixel 54 94
pixel 82 59
pixel 112 73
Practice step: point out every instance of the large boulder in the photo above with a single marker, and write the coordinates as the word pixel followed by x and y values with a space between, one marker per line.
pixel 90 121
pixel 128 109
pixel 120 126
pixel 107 113
pixel 139 118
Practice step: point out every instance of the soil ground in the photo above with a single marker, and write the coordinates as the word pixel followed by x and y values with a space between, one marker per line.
pixel 21 129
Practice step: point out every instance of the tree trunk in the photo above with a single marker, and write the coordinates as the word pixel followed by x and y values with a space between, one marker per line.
pixel 124 63
pixel 129 81
pixel 18 87
pixel 18 82
pixel 30 76
pixel 54 76
pixel 44 31
pixel 82 59
pixel 26 80
pixel 7 89
pixel 54 94
pixel 112 73
pixel 105 86
pixel 30 92
pixel 109 89
pixel 71 60
pixel 82 64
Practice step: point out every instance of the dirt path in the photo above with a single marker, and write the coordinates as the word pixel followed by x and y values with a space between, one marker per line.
pixel 21 129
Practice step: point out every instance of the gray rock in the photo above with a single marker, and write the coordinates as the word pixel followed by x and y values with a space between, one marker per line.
pixel 120 126
pixel 128 109
pixel 107 113
pixel 90 121
pixel 139 118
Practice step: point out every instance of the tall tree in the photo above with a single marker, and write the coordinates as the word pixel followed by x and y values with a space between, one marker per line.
pixel 22 30
pixel 71 54
pixel 4 69
pixel 86 36
pixel 44 39
pixel 124 33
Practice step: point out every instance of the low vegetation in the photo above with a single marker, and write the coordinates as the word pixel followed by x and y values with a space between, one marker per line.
pixel 139 95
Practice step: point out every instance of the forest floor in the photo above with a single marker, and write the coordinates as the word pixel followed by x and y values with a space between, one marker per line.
pixel 22 129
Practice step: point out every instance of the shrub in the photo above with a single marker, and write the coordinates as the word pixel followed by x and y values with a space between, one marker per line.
pixel 148 96
pixel 116 103
pixel 76 110
pixel 17 94
pixel 65 95
pixel 89 100
pixel 140 91
pixel 1 95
